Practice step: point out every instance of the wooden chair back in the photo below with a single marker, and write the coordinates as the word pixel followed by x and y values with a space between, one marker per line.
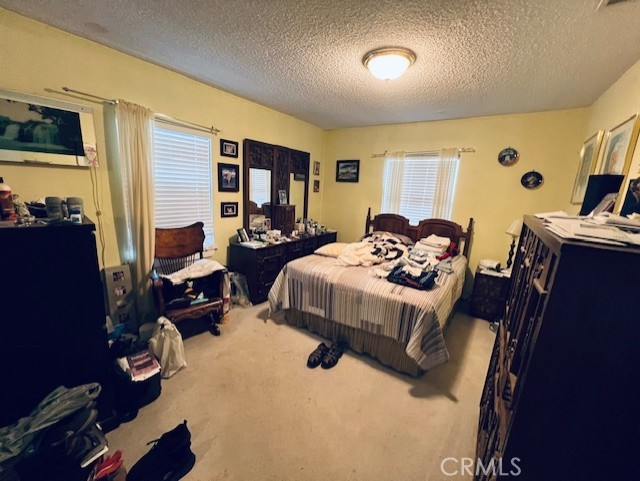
pixel 179 247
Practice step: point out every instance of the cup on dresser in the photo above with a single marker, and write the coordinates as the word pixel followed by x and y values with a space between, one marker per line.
pixel 54 207
pixel 76 209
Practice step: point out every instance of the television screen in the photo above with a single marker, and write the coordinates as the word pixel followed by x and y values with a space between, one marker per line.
pixel 37 128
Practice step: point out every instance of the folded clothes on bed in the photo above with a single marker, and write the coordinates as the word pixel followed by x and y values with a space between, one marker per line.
pixel 423 280
pixel 373 250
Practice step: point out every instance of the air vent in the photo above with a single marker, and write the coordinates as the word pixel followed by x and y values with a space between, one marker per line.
pixel 610 3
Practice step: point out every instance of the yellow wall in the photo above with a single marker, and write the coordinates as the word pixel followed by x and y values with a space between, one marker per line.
pixel 618 103
pixel 35 56
pixel 548 142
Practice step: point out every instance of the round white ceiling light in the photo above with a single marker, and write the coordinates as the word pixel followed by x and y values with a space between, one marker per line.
pixel 389 63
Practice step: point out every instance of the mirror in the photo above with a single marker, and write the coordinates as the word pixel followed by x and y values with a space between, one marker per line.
pixel 259 195
pixel 296 193
pixel 268 170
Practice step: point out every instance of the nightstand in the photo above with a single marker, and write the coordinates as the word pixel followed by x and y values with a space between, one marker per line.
pixel 490 291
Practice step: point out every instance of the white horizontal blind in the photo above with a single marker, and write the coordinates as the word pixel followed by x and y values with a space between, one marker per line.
pixel 418 182
pixel 260 182
pixel 183 180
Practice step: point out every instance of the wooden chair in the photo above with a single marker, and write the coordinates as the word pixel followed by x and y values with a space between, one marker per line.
pixel 176 249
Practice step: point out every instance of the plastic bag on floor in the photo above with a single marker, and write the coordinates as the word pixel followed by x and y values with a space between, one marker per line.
pixel 166 344
pixel 239 290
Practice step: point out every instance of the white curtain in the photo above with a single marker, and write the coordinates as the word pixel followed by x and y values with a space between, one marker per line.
pixel 446 183
pixel 134 126
pixel 392 182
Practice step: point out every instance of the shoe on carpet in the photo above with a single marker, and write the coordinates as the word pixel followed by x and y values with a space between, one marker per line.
pixel 315 358
pixel 333 355
pixel 170 458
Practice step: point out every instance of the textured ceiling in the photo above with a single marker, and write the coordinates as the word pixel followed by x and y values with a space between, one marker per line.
pixel 304 58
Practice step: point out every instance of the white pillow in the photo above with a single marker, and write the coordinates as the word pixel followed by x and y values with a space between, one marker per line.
pixel 331 250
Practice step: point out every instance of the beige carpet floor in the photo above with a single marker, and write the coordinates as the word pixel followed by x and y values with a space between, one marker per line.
pixel 256 412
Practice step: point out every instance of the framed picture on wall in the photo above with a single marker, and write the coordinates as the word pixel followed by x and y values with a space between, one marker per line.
pixel 228 148
pixel 347 170
pixel 316 186
pixel 316 168
pixel 228 209
pixel 228 178
pixel 588 158
pixel 621 142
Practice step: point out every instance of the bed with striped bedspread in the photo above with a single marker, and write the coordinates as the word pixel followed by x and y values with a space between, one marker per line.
pixel 352 297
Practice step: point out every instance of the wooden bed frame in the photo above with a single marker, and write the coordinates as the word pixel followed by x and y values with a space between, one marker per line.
pixel 398 224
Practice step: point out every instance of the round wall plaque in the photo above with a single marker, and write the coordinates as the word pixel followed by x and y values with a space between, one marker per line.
pixel 531 180
pixel 508 156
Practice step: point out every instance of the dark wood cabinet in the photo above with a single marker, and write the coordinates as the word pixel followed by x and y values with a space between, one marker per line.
pixel 52 326
pixel 489 295
pixel 559 401
pixel 262 266
pixel 283 216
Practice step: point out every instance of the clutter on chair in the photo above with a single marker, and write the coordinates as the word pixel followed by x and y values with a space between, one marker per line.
pixel 188 298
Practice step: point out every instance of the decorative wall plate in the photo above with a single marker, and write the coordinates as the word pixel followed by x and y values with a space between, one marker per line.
pixel 531 180
pixel 508 156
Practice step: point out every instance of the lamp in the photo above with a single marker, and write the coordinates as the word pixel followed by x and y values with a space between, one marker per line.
pixel 389 63
pixel 514 231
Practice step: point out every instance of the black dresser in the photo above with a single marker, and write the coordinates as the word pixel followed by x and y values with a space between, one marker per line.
pixel 489 295
pixel 262 266
pixel 52 322
pixel 560 398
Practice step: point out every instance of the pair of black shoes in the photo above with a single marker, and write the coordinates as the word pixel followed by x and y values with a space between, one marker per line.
pixel 326 356
pixel 170 457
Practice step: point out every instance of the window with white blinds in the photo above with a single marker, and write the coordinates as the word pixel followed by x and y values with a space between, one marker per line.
pixel 182 164
pixel 421 187
pixel 260 182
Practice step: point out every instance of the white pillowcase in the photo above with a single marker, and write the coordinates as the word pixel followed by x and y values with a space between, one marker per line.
pixel 331 250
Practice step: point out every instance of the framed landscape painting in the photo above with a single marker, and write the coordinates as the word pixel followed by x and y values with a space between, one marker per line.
pixel 347 170
pixel 588 158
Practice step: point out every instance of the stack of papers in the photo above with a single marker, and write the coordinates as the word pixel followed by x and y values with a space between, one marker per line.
pixel 590 231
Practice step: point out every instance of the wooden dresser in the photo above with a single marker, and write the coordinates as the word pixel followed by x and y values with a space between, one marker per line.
pixel 560 398
pixel 262 266
pixel 52 324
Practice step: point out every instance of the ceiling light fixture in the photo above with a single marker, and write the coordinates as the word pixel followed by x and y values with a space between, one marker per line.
pixel 388 63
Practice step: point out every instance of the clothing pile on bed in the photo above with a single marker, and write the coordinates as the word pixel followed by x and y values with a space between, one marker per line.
pixel 373 249
pixel 420 266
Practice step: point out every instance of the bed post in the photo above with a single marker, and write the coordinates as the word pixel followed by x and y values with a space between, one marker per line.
pixel 368 223
pixel 468 236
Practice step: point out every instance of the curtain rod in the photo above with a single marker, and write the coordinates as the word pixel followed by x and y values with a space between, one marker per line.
pixel 428 152
pixel 160 117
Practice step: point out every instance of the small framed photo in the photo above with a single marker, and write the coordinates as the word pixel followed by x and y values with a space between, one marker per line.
pixel 282 197
pixel 347 170
pixel 621 142
pixel 228 209
pixel 228 178
pixel 242 235
pixel 588 158
pixel 316 186
pixel 228 148
pixel 316 168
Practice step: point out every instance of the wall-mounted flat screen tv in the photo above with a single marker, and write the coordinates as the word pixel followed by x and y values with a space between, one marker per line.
pixel 38 130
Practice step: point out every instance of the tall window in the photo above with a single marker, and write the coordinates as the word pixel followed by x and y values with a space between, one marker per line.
pixel 420 186
pixel 183 180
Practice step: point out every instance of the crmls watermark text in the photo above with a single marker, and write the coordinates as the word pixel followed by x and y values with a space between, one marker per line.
pixel 495 467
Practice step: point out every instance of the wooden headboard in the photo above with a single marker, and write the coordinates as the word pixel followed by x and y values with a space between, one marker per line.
pixel 400 225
